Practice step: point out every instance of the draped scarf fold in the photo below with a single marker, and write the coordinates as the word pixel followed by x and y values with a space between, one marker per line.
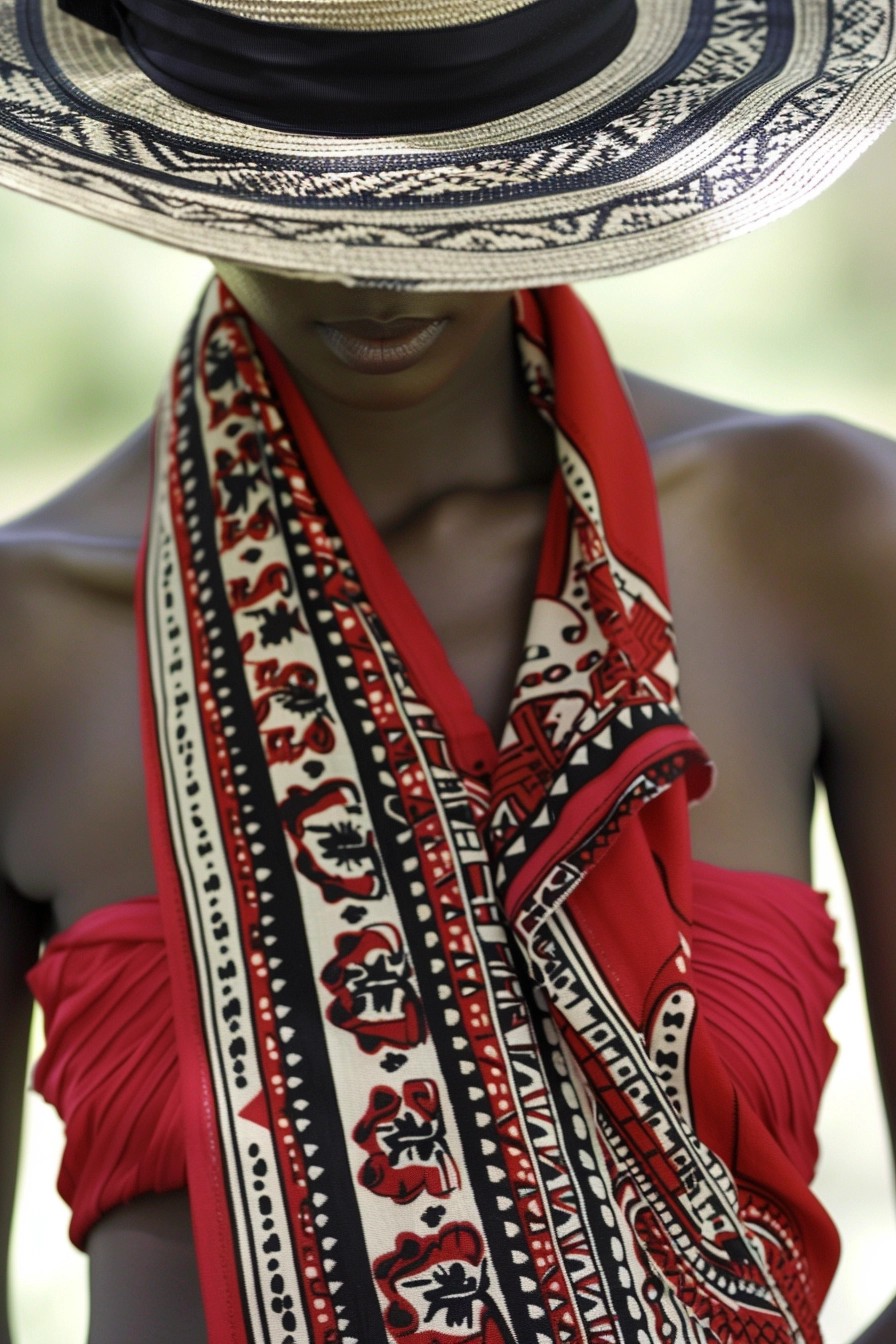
pixel 445 1075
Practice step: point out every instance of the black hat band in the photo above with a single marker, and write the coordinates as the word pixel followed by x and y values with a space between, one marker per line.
pixel 292 77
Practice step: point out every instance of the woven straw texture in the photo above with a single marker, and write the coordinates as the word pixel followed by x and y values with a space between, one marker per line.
pixel 370 15
pixel 708 124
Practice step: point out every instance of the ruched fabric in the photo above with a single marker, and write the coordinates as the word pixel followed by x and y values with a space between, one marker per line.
pixel 110 1062
pixel 766 968
pixel 765 965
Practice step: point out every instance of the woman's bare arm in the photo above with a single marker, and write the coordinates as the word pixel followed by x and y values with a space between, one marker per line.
pixel 22 922
pixel 810 506
pixel 841 557
pixel 20 935
pixel 806 508
pixel 849 573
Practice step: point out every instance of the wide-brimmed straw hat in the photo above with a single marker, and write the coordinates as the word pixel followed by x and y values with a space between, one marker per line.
pixel 448 144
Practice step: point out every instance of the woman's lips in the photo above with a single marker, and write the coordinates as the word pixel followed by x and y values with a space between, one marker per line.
pixel 369 346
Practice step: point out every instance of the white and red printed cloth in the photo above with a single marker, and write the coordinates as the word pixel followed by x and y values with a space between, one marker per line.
pixel 446 1079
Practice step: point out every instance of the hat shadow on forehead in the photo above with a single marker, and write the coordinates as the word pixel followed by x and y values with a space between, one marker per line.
pixel 472 145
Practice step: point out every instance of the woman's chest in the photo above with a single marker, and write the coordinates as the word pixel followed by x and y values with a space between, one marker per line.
pixel 745 682
pixel 74 825
pixel 471 563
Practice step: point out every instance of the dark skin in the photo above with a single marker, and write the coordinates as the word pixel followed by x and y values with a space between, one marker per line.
pixel 456 428
pixel 780 653
pixel 464 400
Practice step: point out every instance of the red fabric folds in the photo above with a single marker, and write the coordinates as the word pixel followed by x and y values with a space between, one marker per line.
pixel 766 969
pixel 110 1063
pixel 765 966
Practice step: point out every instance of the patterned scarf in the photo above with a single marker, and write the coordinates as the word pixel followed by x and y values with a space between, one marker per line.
pixel 445 1077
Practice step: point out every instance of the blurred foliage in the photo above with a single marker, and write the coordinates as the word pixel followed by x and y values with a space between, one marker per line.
pixel 796 316
pixel 89 320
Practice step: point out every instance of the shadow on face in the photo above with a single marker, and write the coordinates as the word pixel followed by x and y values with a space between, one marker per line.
pixel 371 349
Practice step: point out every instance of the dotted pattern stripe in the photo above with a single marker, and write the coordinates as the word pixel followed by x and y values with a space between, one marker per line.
pixel 738 1262
pixel 437 1122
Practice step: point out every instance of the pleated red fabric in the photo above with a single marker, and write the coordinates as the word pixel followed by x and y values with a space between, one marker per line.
pixel 110 1062
pixel 765 965
pixel 766 968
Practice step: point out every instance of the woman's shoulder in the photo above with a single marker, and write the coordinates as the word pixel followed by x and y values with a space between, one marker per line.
pixel 793 517
pixel 86 527
pixel 75 547
pixel 796 481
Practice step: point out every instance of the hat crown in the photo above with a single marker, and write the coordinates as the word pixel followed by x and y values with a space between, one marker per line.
pixel 371 15
pixel 365 82
pixel 543 141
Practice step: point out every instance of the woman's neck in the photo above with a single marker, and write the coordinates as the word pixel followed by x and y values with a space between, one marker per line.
pixel 477 432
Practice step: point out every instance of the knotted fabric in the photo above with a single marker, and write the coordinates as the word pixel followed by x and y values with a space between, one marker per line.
pixel 445 1076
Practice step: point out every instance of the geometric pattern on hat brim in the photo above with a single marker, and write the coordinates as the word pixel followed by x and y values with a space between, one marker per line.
pixel 712 120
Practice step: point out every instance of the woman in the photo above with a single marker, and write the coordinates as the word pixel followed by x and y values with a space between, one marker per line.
pixel 386 801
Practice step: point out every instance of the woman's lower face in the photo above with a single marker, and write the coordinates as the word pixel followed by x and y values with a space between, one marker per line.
pixel 367 348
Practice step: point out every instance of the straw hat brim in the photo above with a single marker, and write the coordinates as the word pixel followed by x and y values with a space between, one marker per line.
pixel 688 138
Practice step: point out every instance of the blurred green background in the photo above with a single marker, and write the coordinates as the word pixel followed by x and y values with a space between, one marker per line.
pixel 799 316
